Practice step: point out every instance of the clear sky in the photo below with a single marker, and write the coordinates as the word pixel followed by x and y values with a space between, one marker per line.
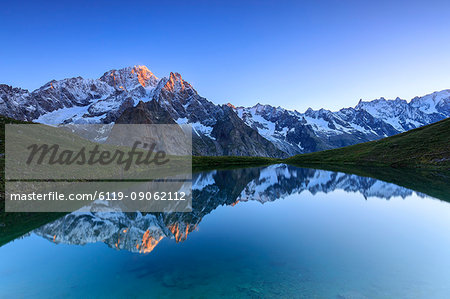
pixel 299 54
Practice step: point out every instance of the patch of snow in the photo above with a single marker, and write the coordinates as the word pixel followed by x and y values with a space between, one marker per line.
pixel 205 130
pixel 182 121
pixel 59 116
pixel 318 124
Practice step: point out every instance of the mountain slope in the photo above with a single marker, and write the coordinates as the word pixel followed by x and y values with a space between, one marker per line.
pixel 427 146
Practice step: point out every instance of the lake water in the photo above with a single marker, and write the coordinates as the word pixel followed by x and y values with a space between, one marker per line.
pixel 278 231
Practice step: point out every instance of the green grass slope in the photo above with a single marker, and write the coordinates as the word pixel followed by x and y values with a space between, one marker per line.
pixel 13 225
pixel 425 147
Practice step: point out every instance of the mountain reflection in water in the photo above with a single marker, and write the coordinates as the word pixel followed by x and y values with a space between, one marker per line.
pixel 137 232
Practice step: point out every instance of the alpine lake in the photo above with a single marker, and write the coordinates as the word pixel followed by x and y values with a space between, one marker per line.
pixel 261 232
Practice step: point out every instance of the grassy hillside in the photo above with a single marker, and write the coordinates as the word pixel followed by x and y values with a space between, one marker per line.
pixel 425 147
pixel 13 225
pixel 4 120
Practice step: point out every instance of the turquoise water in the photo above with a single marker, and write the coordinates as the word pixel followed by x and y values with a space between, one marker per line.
pixel 261 232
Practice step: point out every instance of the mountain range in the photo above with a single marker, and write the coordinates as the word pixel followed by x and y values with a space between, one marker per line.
pixel 136 95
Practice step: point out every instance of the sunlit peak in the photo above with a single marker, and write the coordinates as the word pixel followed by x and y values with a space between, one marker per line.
pixel 143 74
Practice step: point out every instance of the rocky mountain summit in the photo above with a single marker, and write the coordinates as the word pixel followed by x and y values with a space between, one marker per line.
pixel 136 95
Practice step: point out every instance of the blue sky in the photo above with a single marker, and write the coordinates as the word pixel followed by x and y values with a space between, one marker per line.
pixel 295 54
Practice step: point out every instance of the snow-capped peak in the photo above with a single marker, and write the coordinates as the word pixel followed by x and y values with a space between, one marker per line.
pixel 145 76
pixel 435 102
pixel 130 77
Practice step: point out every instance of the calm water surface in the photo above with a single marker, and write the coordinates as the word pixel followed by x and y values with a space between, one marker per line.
pixel 278 231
